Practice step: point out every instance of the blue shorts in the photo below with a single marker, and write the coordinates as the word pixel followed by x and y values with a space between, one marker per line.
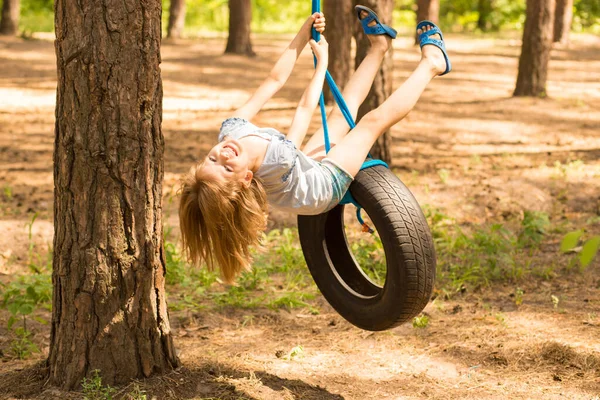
pixel 340 181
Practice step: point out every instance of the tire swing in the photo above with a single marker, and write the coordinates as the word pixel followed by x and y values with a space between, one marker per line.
pixel 404 233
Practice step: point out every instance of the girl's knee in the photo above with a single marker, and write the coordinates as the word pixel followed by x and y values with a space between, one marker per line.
pixel 374 119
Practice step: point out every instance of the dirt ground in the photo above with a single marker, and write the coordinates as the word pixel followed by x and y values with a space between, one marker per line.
pixel 469 148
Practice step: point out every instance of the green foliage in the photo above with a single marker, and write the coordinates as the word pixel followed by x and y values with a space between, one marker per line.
pixel 24 294
pixel 533 228
pixel 181 273
pixel 369 254
pixel 137 393
pixel 482 254
pixel 586 13
pixel 275 16
pixel 588 250
pixel 420 321
pixel 94 390
pixel 22 347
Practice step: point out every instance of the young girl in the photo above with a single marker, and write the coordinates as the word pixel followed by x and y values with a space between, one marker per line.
pixel 223 207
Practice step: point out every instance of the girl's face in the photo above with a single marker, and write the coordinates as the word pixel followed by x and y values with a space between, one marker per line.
pixel 228 161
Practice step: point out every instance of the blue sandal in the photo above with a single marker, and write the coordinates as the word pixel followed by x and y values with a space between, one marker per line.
pixel 425 39
pixel 379 29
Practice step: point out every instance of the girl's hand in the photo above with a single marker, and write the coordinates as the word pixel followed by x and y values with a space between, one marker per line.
pixel 320 50
pixel 319 22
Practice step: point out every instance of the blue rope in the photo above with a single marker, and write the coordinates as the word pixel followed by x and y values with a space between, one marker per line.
pixel 339 99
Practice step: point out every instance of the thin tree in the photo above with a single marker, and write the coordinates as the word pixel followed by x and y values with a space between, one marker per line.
pixel 9 20
pixel 240 17
pixel 484 8
pixel 535 53
pixel 341 20
pixel 176 19
pixel 562 21
pixel 427 10
pixel 382 86
pixel 109 309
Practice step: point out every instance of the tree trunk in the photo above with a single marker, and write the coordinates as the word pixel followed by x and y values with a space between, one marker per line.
pixel 109 310
pixel 341 20
pixel 537 43
pixel 427 10
pixel 382 86
pixel 176 19
pixel 484 8
pixel 240 16
pixel 9 21
pixel 563 20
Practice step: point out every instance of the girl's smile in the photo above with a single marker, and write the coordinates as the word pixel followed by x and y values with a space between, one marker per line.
pixel 228 162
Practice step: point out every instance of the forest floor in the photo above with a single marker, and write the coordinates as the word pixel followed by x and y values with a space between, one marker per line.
pixel 469 150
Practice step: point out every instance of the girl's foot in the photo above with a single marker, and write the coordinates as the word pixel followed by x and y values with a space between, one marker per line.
pixel 431 53
pixel 381 42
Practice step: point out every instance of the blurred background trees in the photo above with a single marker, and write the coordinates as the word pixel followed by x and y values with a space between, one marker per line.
pixel 276 16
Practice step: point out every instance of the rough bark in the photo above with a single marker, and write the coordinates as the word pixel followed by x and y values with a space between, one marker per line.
pixel 9 21
pixel 382 86
pixel 176 19
pixel 341 20
pixel 537 43
pixel 427 10
pixel 240 16
pixel 484 8
pixel 563 20
pixel 109 307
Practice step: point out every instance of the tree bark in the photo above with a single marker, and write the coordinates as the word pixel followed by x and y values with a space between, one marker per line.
pixel 484 8
pixel 176 19
pixel 240 16
pixel 109 306
pixel 341 20
pixel 562 21
pixel 427 10
pixel 9 21
pixel 382 86
pixel 535 54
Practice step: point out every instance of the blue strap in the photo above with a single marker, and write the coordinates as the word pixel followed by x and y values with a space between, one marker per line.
pixel 425 39
pixel 339 99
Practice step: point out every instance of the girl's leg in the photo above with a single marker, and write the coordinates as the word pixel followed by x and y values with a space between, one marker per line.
pixel 352 150
pixel 354 94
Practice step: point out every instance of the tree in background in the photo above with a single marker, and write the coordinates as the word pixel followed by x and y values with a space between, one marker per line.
pixel 240 16
pixel 176 19
pixel 563 20
pixel 9 21
pixel 535 53
pixel 341 20
pixel 109 309
pixel 485 8
pixel 382 86
pixel 427 10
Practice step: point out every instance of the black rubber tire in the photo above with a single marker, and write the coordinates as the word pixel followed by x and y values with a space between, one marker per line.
pixel 408 246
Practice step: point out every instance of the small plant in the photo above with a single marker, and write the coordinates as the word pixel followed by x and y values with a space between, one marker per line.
pixel 94 390
pixel 518 296
pixel 533 228
pixel 420 321
pixel 7 190
pixel 291 300
pixel 22 347
pixel 137 393
pixel 444 174
pixel 296 352
pixel 555 301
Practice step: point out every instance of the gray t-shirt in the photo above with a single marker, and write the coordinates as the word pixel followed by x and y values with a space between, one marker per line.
pixel 293 181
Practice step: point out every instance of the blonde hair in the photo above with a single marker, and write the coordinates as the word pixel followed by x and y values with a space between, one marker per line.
pixel 220 221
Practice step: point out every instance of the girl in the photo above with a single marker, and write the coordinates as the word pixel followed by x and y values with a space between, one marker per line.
pixel 223 206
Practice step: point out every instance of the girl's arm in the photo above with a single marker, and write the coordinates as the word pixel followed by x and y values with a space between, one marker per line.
pixel 311 95
pixel 282 69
